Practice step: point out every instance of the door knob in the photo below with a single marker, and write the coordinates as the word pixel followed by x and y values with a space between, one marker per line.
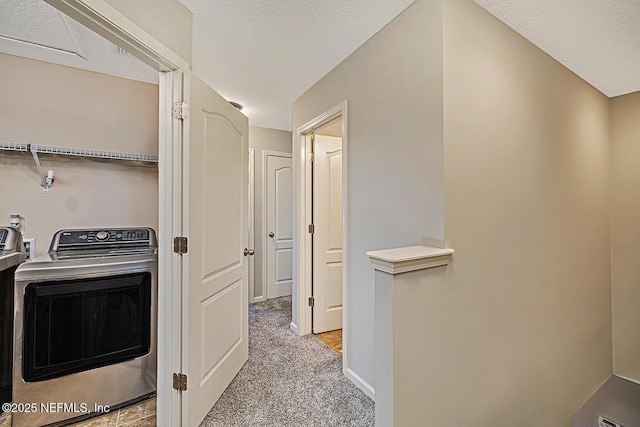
pixel 271 234
pixel 248 252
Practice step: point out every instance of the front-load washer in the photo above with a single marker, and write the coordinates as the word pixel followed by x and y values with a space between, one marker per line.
pixel 85 325
pixel 12 254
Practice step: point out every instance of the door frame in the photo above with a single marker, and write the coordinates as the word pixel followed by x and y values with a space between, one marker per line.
pixel 265 154
pixel 100 17
pixel 302 242
pixel 252 225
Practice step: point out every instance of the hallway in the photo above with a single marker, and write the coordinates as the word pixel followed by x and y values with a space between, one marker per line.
pixel 288 380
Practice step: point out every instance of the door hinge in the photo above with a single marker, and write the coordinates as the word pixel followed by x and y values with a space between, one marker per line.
pixel 312 228
pixel 180 245
pixel 179 382
pixel 311 157
pixel 312 302
pixel 181 110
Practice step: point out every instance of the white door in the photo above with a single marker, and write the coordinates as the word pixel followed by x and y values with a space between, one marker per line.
pixel 327 237
pixel 215 304
pixel 279 224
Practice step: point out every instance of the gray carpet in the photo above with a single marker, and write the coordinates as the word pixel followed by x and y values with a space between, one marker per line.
pixel 288 380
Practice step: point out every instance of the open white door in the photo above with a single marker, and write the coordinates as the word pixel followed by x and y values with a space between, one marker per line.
pixel 279 224
pixel 327 236
pixel 215 302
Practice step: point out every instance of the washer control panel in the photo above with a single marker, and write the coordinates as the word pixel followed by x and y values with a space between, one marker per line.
pixel 104 238
pixel 10 241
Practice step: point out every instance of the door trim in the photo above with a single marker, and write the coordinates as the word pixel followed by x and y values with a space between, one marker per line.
pixel 100 17
pixel 302 239
pixel 265 154
pixel 252 225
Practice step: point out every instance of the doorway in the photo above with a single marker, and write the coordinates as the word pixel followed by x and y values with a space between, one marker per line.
pixel 312 297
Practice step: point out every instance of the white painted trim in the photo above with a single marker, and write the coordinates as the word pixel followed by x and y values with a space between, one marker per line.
pixel 293 327
pixel 169 177
pixel 118 29
pixel 633 380
pixel 185 231
pixel 252 223
pixel 265 154
pixel 360 382
pixel 412 258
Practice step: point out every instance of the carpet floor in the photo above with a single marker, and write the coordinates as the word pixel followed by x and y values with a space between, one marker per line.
pixel 288 380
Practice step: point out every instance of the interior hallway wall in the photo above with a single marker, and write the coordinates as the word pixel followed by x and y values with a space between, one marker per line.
pixel 625 234
pixel 49 104
pixel 261 140
pixel 517 330
pixel 393 84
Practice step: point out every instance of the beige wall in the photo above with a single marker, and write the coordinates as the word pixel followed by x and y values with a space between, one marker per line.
pixel 625 234
pixel 47 104
pixel 168 21
pixel 517 330
pixel 394 154
pixel 261 140
pixel 50 104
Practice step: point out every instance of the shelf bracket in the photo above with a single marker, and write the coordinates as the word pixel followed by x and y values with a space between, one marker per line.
pixel 43 181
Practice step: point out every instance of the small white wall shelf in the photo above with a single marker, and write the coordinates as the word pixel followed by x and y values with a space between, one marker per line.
pixel 45 182
pixel 404 260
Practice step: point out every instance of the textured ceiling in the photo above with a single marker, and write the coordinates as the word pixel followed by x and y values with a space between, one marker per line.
pixel 34 29
pixel 265 54
pixel 19 19
pixel 599 40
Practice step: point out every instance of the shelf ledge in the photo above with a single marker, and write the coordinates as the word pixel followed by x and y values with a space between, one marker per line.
pixel 412 258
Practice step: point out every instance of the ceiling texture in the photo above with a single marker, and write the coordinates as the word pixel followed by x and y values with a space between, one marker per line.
pixel 34 29
pixel 265 54
pixel 599 40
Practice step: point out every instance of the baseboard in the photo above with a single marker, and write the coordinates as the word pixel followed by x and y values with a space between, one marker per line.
pixel 360 383
pixel 293 327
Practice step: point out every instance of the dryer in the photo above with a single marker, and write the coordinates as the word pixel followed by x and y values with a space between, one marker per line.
pixel 85 325
pixel 12 254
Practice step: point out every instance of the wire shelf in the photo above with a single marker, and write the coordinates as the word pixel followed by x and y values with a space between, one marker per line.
pixel 80 152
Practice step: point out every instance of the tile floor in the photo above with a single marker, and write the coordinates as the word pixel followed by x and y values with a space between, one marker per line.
pixel 141 414
pixel 332 339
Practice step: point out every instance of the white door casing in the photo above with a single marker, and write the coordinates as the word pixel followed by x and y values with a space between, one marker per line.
pixel 278 229
pixel 327 236
pixel 215 301
pixel 252 223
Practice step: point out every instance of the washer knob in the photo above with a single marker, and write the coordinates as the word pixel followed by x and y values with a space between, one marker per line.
pixel 102 235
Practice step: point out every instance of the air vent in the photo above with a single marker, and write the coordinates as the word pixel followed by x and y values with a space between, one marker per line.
pixel 120 51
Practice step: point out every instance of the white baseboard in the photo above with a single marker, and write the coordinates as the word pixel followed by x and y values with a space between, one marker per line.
pixel 293 327
pixel 360 383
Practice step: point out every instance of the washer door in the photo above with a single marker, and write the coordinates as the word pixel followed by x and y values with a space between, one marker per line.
pixel 76 325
